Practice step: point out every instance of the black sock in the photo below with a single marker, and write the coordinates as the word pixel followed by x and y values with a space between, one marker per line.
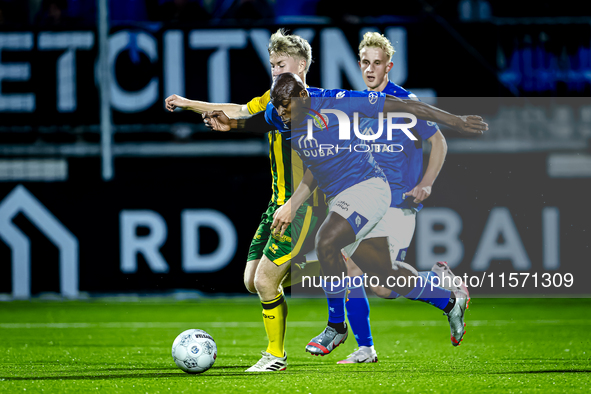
pixel 340 327
pixel 451 303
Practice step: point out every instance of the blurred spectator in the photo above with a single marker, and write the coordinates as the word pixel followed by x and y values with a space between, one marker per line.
pixel 182 11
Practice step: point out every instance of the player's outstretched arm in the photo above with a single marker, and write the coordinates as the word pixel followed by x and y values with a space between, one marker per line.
pixel 219 121
pixel 232 110
pixel 422 191
pixel 284 215
pixel 468 124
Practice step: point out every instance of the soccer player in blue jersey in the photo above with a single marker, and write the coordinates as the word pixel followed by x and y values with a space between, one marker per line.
pixel 409 188
pixel 358 195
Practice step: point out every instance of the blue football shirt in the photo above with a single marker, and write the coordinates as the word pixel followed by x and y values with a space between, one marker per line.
pixel 401 158
pixel 336 164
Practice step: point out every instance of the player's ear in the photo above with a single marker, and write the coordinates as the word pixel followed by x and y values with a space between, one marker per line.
pixel 302 66
pixel 389 67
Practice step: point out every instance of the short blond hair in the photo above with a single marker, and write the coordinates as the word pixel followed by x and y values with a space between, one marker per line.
pixel 377 40
pixel 291 45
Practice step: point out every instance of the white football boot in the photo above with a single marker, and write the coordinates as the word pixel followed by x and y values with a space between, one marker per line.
pixel 365 354
pixel 269 363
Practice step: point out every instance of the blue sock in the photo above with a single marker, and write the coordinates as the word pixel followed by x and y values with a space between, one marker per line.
pixel 358 312
pixel 425 291
pixel 425 274
pixel 335 296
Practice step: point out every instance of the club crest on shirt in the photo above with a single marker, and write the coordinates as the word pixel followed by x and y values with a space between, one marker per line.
pixel 373 97
pixel 318 121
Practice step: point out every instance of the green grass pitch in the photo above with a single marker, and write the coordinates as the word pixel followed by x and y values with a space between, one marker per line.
pixel 511 345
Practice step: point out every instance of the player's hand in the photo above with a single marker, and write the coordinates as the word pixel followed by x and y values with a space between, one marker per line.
pixel 471 125
pixel 175 101
pixel 216 120
pixel 281 219
pixel 420 193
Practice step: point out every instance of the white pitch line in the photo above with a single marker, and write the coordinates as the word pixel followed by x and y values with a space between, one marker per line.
pixel 302 324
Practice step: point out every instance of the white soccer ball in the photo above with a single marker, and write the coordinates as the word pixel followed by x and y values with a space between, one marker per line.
pixel 194 351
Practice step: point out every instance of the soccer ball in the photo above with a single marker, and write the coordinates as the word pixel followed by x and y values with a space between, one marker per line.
pixel 194 351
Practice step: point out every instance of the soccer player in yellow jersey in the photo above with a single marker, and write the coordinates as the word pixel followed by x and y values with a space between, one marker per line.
pixel 270 252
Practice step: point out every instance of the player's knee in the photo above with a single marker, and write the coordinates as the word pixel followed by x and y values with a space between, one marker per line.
pixel 249 284
pixel 263 283
pixel 326 250
pixel 249 274
pixel 265 287
pixel 260 284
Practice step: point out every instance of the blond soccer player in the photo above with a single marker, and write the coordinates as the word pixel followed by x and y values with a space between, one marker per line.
pixel 270 252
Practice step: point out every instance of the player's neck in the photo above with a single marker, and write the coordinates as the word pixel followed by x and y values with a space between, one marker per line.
pixel 303 78
pixel 381 86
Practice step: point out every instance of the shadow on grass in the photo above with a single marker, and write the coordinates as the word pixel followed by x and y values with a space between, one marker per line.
pixel 219 373
pixel 215 372
pixel 97 377
pixel 167 368
pixel 541 371
pixel 134 369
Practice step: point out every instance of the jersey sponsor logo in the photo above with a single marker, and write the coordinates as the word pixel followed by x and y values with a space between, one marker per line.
pixel 386 148
pixel 375 147
pixel 274 248
pixel 368 131
pixel 343 205
pixel 304 142
pixel 340 94
pixel 280 238
pixel 401 254
pixel 357 221
pixel 373 97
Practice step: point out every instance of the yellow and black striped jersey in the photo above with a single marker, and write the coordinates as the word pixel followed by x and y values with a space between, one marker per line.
pixel 283 160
